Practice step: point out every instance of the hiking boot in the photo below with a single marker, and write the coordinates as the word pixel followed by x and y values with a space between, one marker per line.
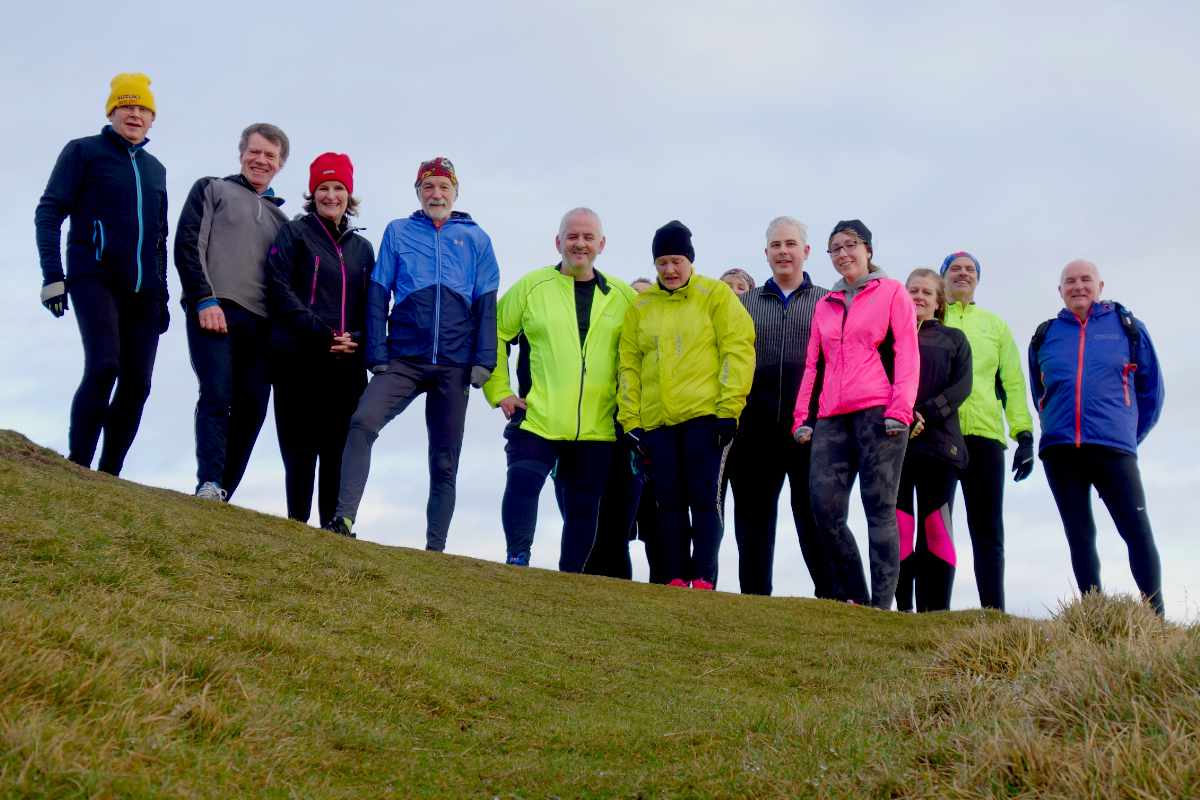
pixel 340 526
pixel 211 490
pixel 700 583
pixel 518 560
pixel 679 582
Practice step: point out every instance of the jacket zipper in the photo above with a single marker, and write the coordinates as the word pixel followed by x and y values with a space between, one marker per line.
pixel 137 182
pixel 342 265
pixel 1128 368
pixel 582 362
pixel 1079 386
pixel 98 238
pixel 312 297
pixel 779 383
pixel 437 288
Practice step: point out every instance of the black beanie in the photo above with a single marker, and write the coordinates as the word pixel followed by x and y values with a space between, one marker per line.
pixel 673 239
pixel 856 227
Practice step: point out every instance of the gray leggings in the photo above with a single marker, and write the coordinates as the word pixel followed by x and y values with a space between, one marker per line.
pixel 388 394
pixel 845 447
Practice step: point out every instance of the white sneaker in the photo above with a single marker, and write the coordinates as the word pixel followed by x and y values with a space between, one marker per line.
pixel 210 490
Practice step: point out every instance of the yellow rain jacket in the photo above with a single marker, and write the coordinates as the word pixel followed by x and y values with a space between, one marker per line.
pixel 685 354
pixel 571 390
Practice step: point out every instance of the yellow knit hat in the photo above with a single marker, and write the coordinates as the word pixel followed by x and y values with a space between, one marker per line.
pixel 130 89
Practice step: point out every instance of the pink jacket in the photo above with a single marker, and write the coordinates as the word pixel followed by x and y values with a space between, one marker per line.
pixel 844 371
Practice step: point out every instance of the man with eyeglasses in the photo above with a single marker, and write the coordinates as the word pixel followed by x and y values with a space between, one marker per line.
pixel 1098 389
pixel 115 194
pixel 997 396
pixel 764 453
pixel 438 272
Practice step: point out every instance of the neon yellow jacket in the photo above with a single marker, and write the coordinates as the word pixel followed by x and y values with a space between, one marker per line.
pixel 993 353
pixel 572 389
pixel 685 354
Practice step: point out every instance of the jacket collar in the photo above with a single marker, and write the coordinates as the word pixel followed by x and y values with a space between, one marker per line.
pixel 268 195
pixel 772 288
pixel 109 133
pixel 1098 309
pixel 318 224
pixel 455 216
pixel 601 281
pixel 842 286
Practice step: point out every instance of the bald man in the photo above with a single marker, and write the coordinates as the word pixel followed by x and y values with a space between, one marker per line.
pixel 1097 385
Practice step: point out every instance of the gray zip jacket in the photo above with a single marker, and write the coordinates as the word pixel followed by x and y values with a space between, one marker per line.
pixel 221 243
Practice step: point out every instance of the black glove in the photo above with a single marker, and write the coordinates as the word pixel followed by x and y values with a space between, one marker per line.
pixel 1023 459
pixel 54 298
pixel 634 438
pixel 726 430
pixel 164 319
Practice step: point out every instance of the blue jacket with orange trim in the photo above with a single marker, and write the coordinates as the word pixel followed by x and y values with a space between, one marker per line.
pixel 1087 385
pixel 442 284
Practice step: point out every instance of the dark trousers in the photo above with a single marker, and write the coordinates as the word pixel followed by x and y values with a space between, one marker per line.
pixel 686 461
pixel 120 339
pixel 844 448
pixel 983 495
pixel 1071 473
pixel 315 396
pixel 580 473
pixel 618 515
pixel 389 393
pixel 927 555
pixel 235 386
pixel 758 466
pixel 648 530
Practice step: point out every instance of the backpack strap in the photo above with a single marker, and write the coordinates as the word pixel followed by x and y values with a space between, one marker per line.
pixel 1132 332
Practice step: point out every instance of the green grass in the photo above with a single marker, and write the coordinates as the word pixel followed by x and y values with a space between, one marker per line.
pixel 154 645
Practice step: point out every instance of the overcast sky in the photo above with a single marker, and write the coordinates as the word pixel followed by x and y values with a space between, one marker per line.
pixel 1050 132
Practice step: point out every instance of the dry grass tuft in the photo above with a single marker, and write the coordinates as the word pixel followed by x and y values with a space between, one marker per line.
pixel 1103 701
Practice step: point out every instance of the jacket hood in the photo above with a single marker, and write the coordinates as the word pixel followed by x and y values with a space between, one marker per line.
pixel 842 286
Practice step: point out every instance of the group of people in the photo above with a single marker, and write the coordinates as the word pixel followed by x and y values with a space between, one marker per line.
pixel 643 402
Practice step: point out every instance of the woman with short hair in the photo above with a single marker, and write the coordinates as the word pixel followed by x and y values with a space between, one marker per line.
pixel 686 363
pixel 318 270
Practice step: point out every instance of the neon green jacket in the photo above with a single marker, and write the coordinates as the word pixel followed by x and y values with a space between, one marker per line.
pixel 994 355
pixel 685 354
pixel 572 389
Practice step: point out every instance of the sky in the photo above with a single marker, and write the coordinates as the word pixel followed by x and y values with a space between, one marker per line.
pixel 1029 136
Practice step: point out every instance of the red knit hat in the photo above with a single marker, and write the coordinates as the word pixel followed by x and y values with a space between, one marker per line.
pixel 438 166
pixel 331 167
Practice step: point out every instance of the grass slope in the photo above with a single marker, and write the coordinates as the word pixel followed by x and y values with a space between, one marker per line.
pixel 153 645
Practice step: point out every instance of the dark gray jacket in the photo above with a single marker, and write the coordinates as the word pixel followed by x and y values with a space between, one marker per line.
pixel 221 243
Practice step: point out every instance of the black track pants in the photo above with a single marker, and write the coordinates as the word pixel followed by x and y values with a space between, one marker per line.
pixel 580 468
pixel 983 496
pixel 927 555
pixel 235 386
pixel 686 461
pixel 120 340
pixel 845 448
pixel 315 396
pixel 758 466
pixel 618 513
pixel 1071 473
pixel 389 393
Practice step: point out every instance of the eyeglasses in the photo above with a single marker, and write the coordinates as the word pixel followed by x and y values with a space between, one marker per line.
pixel 848 246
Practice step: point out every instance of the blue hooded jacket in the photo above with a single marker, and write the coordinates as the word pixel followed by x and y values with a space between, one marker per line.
pixel 1088 387
pixel 442 284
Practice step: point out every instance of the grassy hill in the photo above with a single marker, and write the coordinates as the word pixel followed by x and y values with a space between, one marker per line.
pixel 153 645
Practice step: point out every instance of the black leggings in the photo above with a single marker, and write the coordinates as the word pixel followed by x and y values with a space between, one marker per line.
pixel 120 340
pixel 1071 473
pixel 315 396
pixel 983 495
pixel 927 555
